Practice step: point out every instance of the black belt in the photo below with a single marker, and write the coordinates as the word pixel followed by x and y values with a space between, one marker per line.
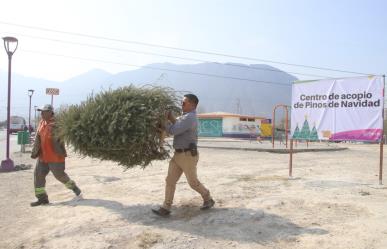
pixel 182 150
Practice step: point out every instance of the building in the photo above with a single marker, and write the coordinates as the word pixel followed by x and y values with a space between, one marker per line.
pixel 223 124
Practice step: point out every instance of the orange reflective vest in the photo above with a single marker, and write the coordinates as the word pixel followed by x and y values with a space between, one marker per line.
pixel 47 151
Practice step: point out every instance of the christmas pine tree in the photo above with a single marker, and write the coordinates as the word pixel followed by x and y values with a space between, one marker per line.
pixel 296 132
pixel 305 131
pixel 313 134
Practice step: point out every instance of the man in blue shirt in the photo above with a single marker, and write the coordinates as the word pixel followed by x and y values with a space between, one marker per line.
pixel 186 156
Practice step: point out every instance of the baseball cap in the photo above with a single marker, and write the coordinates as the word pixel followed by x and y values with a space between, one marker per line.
pixel 46 108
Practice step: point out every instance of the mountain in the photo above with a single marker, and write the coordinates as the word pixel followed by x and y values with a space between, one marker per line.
pixel 19 93
pixel 71 91
pixel 76 89
pixel 267 87
pixel 230 87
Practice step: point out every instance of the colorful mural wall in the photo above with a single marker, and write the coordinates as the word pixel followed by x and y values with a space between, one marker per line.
pixel 234 126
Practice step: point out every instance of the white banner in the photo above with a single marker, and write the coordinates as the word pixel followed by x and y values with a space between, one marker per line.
pixel 338 109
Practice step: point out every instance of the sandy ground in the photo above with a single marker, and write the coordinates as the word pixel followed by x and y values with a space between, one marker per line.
pixel 333 201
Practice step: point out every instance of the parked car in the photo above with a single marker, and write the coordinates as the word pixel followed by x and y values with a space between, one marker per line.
pixel 17 124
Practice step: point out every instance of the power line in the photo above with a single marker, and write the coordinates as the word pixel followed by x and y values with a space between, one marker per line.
pixel 157 68
pixel 182 49
pixel 163 55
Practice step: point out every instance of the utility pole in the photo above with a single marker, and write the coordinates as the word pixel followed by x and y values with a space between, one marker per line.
pixel 238 105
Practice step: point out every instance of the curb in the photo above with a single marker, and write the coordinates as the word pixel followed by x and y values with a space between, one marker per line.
pixel 279 151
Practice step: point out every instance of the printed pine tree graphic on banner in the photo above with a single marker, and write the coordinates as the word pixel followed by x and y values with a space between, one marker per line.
pixel 296 133
pixel 305 131
pixel 313 134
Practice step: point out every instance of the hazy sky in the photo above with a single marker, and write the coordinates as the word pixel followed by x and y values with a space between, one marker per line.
pixel 348 34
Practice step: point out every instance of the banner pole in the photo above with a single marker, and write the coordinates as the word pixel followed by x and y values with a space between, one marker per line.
pixel 291 158
pixel 382 141
pixel 273 127
pixel 381 162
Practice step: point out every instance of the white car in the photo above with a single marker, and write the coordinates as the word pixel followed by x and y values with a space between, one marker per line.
pixel 17 124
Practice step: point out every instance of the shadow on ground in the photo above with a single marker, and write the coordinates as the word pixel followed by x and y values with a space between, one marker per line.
pixel 237 224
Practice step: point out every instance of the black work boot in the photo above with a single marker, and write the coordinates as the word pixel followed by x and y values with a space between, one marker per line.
pixel 76 190
pixel 208 204
pixel 161 212
pixel 41 201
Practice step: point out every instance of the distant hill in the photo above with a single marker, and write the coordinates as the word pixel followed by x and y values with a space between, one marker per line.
pixel 19 97
pixel 71 91
pixel 220 87
pixel 220 94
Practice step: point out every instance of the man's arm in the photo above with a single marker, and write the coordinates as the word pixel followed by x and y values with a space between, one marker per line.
pixel 180 125
pixel 171 117
pixel 36 147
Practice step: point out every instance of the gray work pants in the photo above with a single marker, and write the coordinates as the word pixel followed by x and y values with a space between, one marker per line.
pixel 42 170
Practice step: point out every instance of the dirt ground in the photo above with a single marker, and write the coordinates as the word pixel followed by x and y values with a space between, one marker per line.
pixel 333 201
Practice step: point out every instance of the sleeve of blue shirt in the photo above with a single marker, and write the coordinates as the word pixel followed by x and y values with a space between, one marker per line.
pixel 182 124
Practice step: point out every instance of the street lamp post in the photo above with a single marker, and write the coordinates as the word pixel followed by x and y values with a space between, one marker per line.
pixel 10 45
pixel 35 107
pixel 30 93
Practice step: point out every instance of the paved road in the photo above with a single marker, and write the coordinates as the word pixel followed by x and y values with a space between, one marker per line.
pixel 266 145
pixel 222 143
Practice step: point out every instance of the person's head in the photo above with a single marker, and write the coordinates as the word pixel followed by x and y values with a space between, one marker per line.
pixel 190 102
pixel 47 111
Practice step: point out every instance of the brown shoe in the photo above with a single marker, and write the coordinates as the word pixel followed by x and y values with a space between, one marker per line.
pixel 161 212
pixel 207 204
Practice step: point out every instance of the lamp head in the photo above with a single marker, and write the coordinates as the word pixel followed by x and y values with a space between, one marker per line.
pixel 30 92
pixel 10 44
